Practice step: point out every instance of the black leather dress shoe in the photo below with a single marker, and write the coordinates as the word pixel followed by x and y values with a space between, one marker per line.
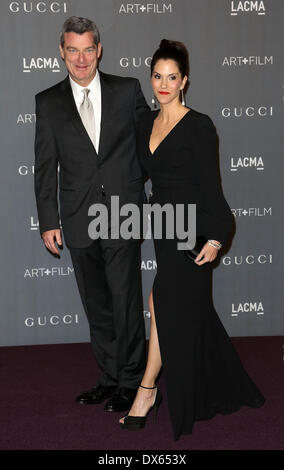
pixel 96 395
pixel 121 400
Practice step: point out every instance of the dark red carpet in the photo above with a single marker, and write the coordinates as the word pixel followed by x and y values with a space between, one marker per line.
pixel 38 411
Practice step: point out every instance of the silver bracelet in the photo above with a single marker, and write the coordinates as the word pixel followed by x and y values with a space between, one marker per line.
pixel 215 244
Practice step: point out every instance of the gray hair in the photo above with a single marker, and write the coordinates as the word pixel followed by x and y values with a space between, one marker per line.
pixel 79 25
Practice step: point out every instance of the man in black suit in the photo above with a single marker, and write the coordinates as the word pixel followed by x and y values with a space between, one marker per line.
pixel 86 124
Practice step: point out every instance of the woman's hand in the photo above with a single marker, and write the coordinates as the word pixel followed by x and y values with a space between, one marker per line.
pixel 209 252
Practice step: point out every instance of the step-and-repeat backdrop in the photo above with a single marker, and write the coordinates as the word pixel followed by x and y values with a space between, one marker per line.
pixel 236 77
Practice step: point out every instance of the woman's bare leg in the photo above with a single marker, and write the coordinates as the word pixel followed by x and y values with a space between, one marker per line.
pixel 145 398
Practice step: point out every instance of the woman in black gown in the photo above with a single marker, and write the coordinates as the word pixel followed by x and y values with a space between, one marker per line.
pixel 177 147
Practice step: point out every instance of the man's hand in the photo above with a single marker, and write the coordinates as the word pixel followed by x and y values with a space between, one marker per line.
pixel 50 237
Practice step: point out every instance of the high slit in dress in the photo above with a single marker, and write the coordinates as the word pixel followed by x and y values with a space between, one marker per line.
pixel 203 373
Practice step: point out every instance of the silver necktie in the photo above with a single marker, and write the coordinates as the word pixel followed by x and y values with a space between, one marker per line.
pixel 88 116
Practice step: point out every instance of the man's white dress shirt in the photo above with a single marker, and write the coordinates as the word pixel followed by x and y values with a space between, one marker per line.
pixel 95 97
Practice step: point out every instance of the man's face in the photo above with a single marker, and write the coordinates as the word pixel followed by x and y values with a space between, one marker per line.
pixel 81 56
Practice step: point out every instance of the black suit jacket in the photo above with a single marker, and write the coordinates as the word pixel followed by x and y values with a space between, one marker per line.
pixel 61 139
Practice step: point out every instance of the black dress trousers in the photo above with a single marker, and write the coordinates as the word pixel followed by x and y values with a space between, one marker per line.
pixel 108 274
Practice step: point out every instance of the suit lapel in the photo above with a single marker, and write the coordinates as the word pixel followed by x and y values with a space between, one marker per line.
pixel 106 117
pixel 72 112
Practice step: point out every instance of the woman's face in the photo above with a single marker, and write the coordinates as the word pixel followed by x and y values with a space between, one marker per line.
pixel 167 81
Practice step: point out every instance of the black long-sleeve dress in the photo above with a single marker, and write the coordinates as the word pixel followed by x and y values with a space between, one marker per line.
pixel 203 373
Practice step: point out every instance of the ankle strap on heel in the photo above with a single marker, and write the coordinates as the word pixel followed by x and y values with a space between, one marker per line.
pixel 148 388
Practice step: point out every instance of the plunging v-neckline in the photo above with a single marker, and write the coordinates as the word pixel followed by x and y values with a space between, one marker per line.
pixel 170 132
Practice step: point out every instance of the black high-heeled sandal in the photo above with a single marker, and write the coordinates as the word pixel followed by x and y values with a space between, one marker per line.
pixel 138 422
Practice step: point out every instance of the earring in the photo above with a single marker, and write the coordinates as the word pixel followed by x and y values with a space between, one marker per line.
pixel 182 98
pixel 154 101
